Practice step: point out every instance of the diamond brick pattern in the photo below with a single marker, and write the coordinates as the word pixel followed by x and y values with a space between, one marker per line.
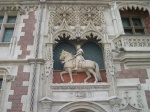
pixel 147 93
pixel 28 38
pixel 133 73
pixel 19 90
pixel 144 14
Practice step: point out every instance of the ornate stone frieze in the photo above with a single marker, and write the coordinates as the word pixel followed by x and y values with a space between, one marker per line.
pixel 74 19
pixel 21 8
pixel 78 91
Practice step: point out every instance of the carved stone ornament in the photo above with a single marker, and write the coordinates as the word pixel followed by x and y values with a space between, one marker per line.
pixel 46 103
pixel 114 102
pixel 21 8
pixel 128 106
pixel 76 19
pixel 9 78
pixel 78 63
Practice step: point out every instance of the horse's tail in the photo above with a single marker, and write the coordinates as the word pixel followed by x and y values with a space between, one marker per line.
pixel 98 75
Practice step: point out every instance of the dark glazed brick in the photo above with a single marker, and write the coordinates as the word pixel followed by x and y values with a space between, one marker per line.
pixel 28 38
pixel 147 93
pixel 133 73
pixel 19 90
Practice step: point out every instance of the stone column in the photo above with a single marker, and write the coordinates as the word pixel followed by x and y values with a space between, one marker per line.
pixel 114 103
pixel 116 18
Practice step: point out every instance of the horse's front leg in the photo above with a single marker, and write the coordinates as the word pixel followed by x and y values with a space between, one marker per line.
pixel 88 76
pixel 61 75
pixel 70 74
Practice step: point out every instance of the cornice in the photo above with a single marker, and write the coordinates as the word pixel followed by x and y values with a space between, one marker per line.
pixel 80 2
pixel 22 61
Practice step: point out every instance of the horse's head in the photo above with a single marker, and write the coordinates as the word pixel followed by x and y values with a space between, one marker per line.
pixel 63 54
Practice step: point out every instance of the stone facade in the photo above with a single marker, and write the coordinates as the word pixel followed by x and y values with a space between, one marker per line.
pixel 30 83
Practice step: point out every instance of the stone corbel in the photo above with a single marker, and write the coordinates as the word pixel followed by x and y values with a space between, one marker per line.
pixel 9 78
pixel 46 103
pixel 114 103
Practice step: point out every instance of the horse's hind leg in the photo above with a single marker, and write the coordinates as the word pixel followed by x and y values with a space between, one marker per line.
pixel 70 74
pixel 61 75
pixel 94 74
pixel 88 76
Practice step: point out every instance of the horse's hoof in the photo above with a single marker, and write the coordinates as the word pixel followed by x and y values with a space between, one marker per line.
pixel 95 81
pixel 85 82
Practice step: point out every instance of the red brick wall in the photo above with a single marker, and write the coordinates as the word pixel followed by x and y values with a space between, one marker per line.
pixel 28 38
pixel 77 77
pixel 147 93
pixel 144 14
pixel 17 85
pixel 19 90
pixel 133 73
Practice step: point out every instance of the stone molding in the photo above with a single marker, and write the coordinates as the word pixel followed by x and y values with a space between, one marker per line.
pixel 80 86
pixel 91 106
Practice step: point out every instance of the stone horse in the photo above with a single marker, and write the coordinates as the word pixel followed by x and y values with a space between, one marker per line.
pixel 88 66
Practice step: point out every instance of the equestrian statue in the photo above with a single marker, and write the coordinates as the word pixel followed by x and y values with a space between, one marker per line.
pixel 77 63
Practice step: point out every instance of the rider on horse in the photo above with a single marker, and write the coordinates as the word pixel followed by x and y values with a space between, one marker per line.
pixel 78 57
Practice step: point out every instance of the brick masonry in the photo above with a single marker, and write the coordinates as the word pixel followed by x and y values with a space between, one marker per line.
pixel 17 85
pixel 28 38
pixel 133 73
pixel 143 14
pixel 147 93
pixel 19 90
